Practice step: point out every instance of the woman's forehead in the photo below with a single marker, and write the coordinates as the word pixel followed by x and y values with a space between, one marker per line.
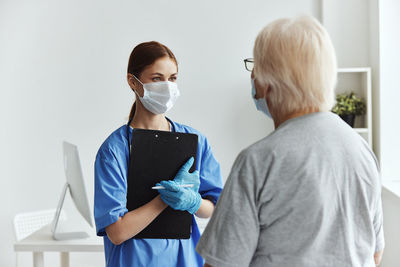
pixel 164 66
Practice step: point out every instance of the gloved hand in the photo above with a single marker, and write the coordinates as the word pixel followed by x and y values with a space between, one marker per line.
pixel 179 198
pixel 185 177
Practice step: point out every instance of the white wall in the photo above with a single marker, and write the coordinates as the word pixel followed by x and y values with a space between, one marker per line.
pixel 374 64
pixel 348 25
pixel 389 43
pixel 62 77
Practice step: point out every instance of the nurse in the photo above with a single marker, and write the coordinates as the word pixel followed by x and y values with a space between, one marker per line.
pixel 152 75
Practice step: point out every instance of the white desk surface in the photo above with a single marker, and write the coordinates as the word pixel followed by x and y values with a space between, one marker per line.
pixel 392 185
pixel 42 241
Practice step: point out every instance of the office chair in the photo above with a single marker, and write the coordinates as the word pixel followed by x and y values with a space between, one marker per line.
pixel 29 222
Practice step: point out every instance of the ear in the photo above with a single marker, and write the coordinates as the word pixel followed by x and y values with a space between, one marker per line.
pixel 131 81
pixel 261 91
pixel 267 89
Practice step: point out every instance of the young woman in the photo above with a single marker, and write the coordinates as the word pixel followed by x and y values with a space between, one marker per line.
pixel 152 74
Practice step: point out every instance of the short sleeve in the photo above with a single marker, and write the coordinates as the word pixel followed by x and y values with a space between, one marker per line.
pixel 210 175
pixel 224 241
pixel 109 193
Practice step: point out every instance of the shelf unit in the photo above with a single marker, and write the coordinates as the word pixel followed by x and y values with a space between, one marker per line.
pixel 358 80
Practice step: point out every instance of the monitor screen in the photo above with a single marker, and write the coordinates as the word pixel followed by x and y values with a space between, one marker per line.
pixel 74 176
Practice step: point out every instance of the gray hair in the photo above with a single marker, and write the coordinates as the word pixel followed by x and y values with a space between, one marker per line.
pixel 296 59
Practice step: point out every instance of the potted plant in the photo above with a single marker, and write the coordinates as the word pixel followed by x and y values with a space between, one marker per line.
pixel 348 106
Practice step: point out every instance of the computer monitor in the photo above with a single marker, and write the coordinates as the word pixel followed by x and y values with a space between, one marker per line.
pixel 76 186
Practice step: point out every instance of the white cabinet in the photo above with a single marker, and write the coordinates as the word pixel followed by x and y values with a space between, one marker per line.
pixel 358 80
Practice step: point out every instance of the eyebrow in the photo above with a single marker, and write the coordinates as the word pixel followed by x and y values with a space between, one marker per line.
pixel 160 74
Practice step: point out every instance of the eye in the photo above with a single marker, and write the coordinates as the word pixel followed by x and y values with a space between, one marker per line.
pixel 173 79
pixel 156 79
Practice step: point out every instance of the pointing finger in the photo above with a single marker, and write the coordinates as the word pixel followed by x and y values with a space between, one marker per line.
pixel 186 167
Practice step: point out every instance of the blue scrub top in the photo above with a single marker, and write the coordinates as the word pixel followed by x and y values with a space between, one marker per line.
pixel 111 171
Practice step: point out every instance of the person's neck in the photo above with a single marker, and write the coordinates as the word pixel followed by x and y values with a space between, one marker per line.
pixel 278 120
pixel 144 119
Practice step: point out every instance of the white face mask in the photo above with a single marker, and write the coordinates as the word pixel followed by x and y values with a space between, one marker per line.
pixel 158 97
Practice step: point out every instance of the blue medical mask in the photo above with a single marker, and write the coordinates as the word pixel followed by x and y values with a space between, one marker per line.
pixel 261 103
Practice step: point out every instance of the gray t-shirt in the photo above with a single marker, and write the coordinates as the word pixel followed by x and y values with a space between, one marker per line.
pixel 309 194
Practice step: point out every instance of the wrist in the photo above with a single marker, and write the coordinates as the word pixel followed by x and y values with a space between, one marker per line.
pixel 196 204
pixel 160 203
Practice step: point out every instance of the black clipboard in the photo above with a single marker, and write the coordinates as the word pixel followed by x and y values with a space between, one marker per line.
pixel 157 156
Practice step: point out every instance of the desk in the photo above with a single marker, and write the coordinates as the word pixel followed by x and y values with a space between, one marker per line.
pixel 42 241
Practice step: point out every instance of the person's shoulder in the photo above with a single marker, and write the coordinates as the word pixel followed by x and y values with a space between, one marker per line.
pixel 179 127
pixel 202 139
pixel 262 150
pixel 113 143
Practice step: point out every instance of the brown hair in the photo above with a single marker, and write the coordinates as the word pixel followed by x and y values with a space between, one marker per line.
pixel 143 55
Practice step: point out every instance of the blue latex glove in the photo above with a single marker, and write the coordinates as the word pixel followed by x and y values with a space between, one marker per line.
pixel 185 177
pixel 180 198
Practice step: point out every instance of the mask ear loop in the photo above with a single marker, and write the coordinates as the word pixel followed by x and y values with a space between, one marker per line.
pixel 139 82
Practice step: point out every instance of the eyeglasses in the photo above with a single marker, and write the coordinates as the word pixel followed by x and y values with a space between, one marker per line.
pixel 249 64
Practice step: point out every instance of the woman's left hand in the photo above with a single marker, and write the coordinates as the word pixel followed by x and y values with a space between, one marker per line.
pixel 185 177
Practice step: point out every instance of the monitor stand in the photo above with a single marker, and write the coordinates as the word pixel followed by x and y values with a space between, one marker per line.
pixel 64 235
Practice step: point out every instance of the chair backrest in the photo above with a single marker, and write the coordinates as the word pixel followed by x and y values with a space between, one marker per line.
pixel 29 222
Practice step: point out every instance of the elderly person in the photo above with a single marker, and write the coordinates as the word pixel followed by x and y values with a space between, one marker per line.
pixel 308 194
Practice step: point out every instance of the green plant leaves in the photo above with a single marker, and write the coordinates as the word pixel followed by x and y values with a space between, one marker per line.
pixel 348 104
